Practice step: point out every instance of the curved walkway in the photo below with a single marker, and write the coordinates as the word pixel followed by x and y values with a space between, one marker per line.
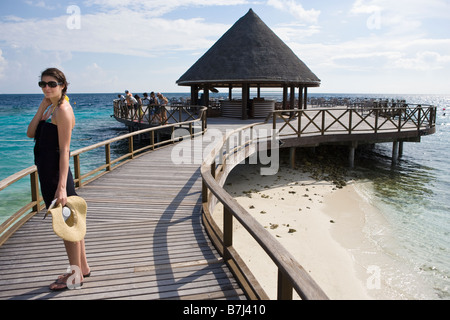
pixel 144 240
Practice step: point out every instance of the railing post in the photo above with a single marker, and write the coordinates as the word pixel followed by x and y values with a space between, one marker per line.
pixel 274 119
pixel 35 190
pixel 227 233
pixel 77 167
pixel 131 147
pixel 204 121
pixel 323 122
pixel 419 118
pixel 284 291
pixel 153 139
pixel 213 169
pixel 172 135
pixel 350 121
pixel 377 114
pixel 108 156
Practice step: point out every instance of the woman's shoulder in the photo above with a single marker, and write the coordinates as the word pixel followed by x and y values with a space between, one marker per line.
pixel 65 110
pixel 65 106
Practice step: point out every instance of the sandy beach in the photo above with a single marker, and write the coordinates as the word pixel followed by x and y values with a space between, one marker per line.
pixel 321 224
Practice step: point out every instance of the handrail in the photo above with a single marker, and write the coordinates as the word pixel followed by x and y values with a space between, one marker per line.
pixel 291 274
pixel 14 222
pixel 151 114
pixel 301 122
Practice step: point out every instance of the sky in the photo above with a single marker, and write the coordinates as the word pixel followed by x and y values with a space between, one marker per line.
pixel 106 46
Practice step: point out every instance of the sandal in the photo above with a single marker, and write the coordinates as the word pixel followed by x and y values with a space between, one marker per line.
pixel 60 284
pixel 68 274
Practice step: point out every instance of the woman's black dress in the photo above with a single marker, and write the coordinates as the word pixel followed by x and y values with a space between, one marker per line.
pixel 46 158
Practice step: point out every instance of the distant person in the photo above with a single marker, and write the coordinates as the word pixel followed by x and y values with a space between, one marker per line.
pixel 137 107
pixel 162 101
pixel 121 97
pixel 145 100
pixel 128 97
pixel 51 127
pixel 132 106
pixel 122 105
pixel 153 99
pixel 154 103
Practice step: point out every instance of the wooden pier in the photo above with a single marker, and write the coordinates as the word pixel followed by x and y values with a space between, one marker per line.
pixel 150 233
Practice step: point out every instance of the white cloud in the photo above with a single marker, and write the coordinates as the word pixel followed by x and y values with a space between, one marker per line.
pixel 401 16
pixel 126 32
pixel 93 78
pixel 39 4
pixel 423 61
pixel 295 9
pixel 295 32
pixel 157 8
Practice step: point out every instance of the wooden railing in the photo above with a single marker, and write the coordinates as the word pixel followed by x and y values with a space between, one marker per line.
pixel 215 170
pixel 14 222
pixel 408 117
pixel 154 114
pixel 293 123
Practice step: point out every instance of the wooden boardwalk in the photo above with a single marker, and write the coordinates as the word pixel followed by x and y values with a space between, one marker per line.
pixel 145 240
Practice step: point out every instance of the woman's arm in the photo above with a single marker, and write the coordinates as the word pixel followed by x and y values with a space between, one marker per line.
pixel 31 131
pixel 65 121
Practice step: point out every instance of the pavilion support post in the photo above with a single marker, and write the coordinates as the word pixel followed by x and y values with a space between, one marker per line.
pixel 292 98
pixel 245 96
pixel 194 95
pixel 292 151
pixel 230 92
pixel 400 149
pixel 306 98
pixel 206 95
pixel 300 97
pixel 395 153
pixel 285 97
pixel 351 155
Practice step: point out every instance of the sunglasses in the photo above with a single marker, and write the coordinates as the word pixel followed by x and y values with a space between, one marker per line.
pixel 51 84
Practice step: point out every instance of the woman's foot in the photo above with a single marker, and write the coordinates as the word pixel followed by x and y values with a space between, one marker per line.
pixel 85 275
pixel 61 283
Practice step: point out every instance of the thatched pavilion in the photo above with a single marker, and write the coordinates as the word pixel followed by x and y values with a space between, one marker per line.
pixel 250 55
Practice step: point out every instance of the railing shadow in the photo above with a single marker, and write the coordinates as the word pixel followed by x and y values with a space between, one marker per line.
pixel 165 273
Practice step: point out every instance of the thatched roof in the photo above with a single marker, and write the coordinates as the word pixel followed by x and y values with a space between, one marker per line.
pixel 249 52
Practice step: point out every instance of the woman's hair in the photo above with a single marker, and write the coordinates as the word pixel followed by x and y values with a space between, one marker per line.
pixel 60 77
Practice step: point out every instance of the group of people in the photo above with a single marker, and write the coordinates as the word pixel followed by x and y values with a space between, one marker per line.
pixel 157 100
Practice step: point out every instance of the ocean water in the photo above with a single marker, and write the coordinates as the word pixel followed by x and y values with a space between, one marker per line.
pixel 413 196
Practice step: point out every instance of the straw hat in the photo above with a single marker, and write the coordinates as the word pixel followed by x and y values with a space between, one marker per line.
pixel 74 228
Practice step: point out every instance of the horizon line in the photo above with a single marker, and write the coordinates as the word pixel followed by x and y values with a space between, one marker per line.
pixel 183 92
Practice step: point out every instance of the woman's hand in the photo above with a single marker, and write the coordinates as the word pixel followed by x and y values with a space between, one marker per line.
pixel 61 196
pixel 31 131
pixel 46 102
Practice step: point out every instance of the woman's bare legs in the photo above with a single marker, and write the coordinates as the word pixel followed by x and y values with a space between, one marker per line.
pixel 76 252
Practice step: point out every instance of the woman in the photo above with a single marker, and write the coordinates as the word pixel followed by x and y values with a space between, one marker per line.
pixel 52 129
pixel 162 101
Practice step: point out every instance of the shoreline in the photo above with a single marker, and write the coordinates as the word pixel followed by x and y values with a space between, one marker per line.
pixel 321 225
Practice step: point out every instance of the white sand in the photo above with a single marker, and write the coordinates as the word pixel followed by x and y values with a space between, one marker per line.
pixel 320 225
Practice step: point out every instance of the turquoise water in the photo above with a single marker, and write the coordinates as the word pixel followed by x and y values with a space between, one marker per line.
pixel 94 124
pixel 414 196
